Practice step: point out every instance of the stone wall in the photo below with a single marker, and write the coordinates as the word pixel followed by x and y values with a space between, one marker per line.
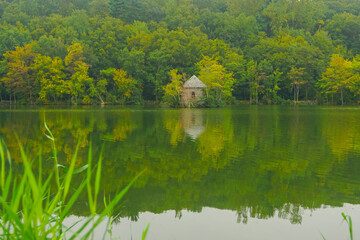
pixel 188 97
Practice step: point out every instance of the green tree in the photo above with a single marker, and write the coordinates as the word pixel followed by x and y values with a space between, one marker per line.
pixel 272 87
pixel 345 27
pixel 3 5
pixel 296 76
pixel 158 64
pixel 181 13
pixel 11 37
pixel 133 62
pixel 50 46
pixel 252 74
pixel 99 7
pixel 13 14
pixel 79 21
pixel 127 10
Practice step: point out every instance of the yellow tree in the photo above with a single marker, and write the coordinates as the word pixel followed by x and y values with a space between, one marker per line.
pixel 80 81
pixel 18 75
pixel 125 85
pixel 341 75
pixel 74 57
pixel 217 80
pixel 81 85
pixel 172 91
pixel 355 79
pixel 49 72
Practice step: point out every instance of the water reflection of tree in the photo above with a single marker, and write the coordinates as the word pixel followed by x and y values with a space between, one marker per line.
pixel 260 162
pixel 123 127
pixel 342 133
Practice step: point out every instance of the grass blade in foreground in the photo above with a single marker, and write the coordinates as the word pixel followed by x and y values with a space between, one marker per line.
pixel 348 220
pixel 29 209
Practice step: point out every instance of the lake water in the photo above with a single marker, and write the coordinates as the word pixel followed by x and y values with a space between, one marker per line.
pixel 244 172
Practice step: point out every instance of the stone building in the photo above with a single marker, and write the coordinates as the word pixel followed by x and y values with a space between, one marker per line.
pixel 193 90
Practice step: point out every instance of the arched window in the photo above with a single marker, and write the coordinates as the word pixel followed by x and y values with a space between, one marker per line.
pixel 192 95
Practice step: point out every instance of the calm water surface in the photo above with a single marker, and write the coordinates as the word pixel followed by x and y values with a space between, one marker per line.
pixel 246 172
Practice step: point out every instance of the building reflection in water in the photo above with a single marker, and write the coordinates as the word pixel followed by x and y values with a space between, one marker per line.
pixel 193 122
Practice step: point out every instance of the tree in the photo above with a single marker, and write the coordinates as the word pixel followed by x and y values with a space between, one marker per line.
pixel 18 75
pixel 3 5
pixel 296 75
pixel 99 7
pixel 49 72
pixel 125 86
pixel 79 21
pixel 340 77
pixel 236 64
pixel 50 46
pixel 252 77
pixel 218 81
pixel 272 86
pixel 11 37
pixel 13 14
pixel 127 10
pixel 346 28
pixel 158 63
pixel 172 91
pixel 74 57
pixel 81 85
pixel 101 89
pixel 181 13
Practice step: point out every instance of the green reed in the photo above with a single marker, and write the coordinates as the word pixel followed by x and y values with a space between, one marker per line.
pixel 348 220
pixel 29 209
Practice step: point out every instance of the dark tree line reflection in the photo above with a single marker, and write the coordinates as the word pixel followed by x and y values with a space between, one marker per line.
pixel 259 161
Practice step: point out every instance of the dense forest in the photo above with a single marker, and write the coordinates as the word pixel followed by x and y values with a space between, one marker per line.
pixel 129 51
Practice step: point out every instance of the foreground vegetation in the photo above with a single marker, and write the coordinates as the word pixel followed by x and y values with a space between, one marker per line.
pixel 31 208
pixel 124 51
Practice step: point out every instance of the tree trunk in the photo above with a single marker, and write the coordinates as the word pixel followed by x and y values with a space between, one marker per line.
pixel 294 93
pixel 250 95
pixel 257 98
pixel 297 94
pixel 101 100
pixel 342 97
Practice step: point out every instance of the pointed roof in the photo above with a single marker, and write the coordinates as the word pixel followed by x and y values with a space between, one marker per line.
pixel 194 82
